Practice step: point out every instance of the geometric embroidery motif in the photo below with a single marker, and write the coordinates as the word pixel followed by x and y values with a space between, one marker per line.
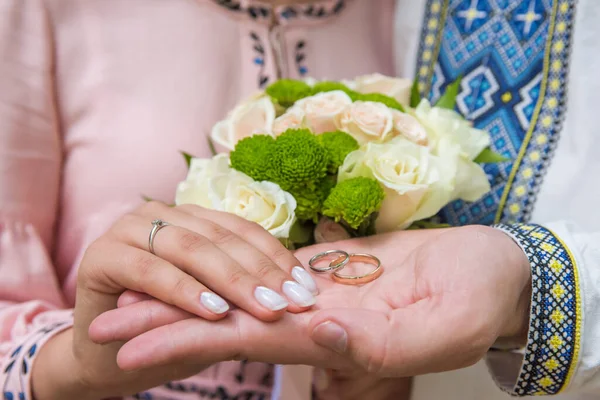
pixel 555 323
pixel 513 59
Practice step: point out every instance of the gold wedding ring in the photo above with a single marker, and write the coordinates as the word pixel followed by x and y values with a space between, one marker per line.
pixel 340 259
pixel 360 279
pixel 336 263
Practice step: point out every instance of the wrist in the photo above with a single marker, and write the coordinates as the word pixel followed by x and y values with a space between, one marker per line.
pixel 515 330
pixel 55 373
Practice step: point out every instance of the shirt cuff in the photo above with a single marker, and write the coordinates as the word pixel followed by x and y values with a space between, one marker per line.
pixel 15 375
pixel 548 362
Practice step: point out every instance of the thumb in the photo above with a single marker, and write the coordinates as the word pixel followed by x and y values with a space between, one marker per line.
pixel 358 334
pixel 418 339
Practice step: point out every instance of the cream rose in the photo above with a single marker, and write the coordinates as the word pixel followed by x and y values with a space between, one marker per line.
pixel 194 190
pixel 409 127
pixel 441 122
pixel 417 184
pixel 251 117
pixel 376 83
pixel 211 183
pixel 321 109
pixel 294 118
pixel 366 121
pixel 262 202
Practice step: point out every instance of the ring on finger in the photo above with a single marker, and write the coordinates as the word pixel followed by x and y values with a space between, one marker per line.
pixel 337 263
pixel 157 225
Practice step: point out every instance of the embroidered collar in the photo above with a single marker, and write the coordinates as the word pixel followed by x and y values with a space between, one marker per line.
pixel 265 12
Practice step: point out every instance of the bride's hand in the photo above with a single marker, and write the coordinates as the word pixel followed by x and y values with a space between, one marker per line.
pixel 202 260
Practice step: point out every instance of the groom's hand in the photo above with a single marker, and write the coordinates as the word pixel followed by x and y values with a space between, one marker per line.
pixel 452 299
pixel 445 297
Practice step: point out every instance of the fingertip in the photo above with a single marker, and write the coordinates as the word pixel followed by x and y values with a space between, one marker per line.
pixel 98 332
pixel 216 306
pixel 129 297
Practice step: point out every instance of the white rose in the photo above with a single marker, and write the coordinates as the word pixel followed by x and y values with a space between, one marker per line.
pixel 251 117
pixel 471 181
pixel 262 202
pixel 417 184
pixel 294 118
pixel 397 88
pixel 366 121
pixel 321 109
pixel 211 183
pixel 194 190
pixel 441 122
pixel 409 127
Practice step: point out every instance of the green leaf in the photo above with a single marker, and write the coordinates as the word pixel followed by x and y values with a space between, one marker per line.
pixel 427 225
pixel 301 232
pixel 188 157
pixel 488 156
pixel 211 146
pixel 415 95
pixel 448 99
pixel 381 98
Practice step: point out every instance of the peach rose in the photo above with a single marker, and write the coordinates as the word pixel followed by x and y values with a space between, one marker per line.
pixel 251 117
pixel 366 121
pixel 321 109
pixel 397 88
pixel 294 118
pixel 408 126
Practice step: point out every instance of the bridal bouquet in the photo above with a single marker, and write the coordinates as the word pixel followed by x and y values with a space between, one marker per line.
pixel 309 159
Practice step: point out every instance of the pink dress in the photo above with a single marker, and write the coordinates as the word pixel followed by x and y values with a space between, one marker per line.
pixel 97 97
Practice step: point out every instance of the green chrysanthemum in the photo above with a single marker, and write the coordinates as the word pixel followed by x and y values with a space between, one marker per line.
pixel 310 200
pixel 381 98
pixel 353 201
pixel 251 156
pixel 298 160
pixel 338 145
pixel 329 86
pixel 287 91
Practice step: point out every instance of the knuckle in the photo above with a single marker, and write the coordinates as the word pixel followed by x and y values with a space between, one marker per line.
pixel 280 252
pixel 153 208
pixel 250 228
pixel 235 277
pixel 265 269
pixel 145 265
pixel 220 235
pixel 181 286
pixel 190 208
pixel 91 266
pixel 191 242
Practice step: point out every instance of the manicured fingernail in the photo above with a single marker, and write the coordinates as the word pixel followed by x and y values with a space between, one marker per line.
pixel 298 294
pixel 331 335
pixel 270 298
pixel 321 380
pixel 303 277
pixel 214 303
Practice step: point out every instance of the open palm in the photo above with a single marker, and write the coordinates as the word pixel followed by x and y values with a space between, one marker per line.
pixel 444 297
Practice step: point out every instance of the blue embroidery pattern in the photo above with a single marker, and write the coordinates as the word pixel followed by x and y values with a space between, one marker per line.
pixel 555 323
pixel 20 362
pixel 513 59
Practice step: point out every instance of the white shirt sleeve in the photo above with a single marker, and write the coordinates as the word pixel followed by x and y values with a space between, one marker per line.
pixel 563 348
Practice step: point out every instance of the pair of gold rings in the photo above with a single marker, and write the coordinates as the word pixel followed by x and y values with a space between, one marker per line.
pixel 339 259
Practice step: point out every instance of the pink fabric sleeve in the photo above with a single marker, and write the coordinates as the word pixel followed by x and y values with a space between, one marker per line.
pixel 31 302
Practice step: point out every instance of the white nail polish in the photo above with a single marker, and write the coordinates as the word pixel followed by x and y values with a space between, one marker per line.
pixel 303 277
pixel 214 303
pixel 270 298
pixel 298 294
